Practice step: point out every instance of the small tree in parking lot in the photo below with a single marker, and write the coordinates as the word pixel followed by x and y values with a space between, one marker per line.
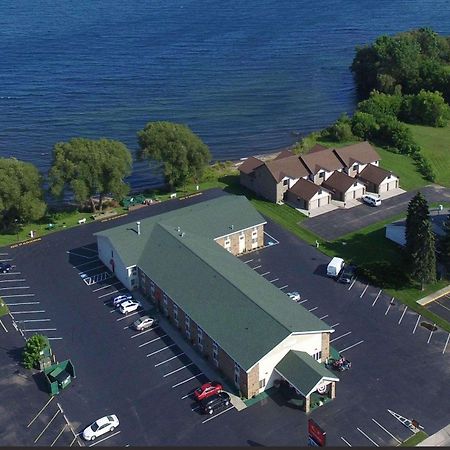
pixel 32 351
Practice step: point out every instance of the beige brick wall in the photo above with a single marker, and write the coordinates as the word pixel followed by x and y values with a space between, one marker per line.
pixel 234 240
pixel 253 381
pixel 325 346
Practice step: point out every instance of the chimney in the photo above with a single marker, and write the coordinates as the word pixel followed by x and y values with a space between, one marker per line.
pixel 138 228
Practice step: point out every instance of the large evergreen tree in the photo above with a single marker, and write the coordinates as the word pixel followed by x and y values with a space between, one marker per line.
pixel 445 243
pixel 420 241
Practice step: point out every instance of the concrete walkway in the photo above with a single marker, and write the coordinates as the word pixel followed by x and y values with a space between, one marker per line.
pixel 439 439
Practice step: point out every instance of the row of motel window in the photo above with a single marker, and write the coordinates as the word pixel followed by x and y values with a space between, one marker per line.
pixel 227 242
pixel 187 326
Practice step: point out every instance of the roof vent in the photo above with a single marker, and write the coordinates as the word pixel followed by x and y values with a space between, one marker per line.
pixel 232 227
pixel 178 229
pixel 138 228
pixel 182 234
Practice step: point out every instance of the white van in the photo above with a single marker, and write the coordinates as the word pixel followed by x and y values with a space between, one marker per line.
pixel 371 200
pixel 335 266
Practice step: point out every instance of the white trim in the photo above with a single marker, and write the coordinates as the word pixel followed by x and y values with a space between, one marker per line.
pixel 312 390
pixel 240 230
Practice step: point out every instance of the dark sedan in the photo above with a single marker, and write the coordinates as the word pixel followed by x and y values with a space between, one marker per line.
pixel 347 275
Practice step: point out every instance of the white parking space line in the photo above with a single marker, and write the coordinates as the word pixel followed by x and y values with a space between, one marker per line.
pixel 431 334
pixel 6 259
pixel 90 250
pixel 3 254
pixel 59 435
pixel 341 336
pixel 40 412
pixel 185 381
pixel 40 329
pixel 143 332
pixel 153 340
pixel 388 308
pixel 170 359
pixel 33 320
pixel 364 291
pixel 28 312
pixel 109 293
pixel 335 325
pixel 219 414
pixel 187 395
pixel 351 346
pixel 348 443
pixel 18 295
pixel 161 350
pixel 303 301
pixel 90 270
pixel 264 274
pixel 388 432
pixel 249 260
pixel 51 420
pixel 376 298
pixel 271 237
pixel 13 280
pixel 446 343
pixel 3 326
pixel 80 256
pixel 104 439
pixel 403 313
pixel 256 267
pixel 10 273
pixel 128 315
pixel 275 279
pixel 54 338
pixel 107 286
pixel 417 323
pixel 177 370
pixel 364 434
pixel 323 317
pixel 313 309
pixel 14 287
pixel 84 264
pixel 351 285
pixel 284 287
pixel 74 439
pixel 24 303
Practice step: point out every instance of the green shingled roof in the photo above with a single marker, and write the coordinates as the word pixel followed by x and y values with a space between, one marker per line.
pixel 244 313
pixel 303 371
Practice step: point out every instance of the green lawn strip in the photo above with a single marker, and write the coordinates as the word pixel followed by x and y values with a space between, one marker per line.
pixel 415 439
pixel 3 308
pixel 435 143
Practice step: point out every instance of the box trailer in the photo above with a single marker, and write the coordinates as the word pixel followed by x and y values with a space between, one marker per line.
pixel 335 266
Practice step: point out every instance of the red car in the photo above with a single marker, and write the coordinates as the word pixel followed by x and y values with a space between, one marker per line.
pixel 207 389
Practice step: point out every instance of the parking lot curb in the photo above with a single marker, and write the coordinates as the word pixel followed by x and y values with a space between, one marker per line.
pixel 237 402
pixel 434 296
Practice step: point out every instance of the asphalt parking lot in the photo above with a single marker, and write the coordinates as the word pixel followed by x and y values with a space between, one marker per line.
pixel 395 353
pixel 147 378
pixel 441 307
pixel 339 222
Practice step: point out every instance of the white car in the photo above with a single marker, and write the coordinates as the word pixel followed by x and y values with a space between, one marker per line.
pixel 100 426
pixel 121 298
pixel 129 306
pixel 144 322
pixel 294 296
pixel 371 200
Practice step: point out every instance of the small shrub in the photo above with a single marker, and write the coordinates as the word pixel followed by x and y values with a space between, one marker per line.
pixel 31 353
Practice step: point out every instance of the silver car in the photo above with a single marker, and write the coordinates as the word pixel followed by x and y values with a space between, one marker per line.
pixel 144 322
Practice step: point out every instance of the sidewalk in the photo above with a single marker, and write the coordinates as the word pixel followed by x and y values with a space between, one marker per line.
pixel 439 439
pixel 189 351
pixel 434 296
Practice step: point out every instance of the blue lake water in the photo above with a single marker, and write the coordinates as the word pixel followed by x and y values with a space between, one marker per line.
pixel 244 75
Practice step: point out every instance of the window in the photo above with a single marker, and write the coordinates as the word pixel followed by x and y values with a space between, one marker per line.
pixel 355 183
pixel 254 240
pixel 322 174
pixel 262 383
pixel 215 354
pixel 112 253
pixel 152 288
pixel 200 338
pixel 187 325
pixel 175 313
pixel 355 167
pixel 317 356
pixel 285 182
pixel 165 305
pixel 237 373
pixel 227 242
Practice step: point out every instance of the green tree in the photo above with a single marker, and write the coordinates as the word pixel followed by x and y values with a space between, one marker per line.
pixel 182 153
pixel 425 108
pixel 420 241
pixel 341 130
pixel 445 243
pixel 364 125
pixel 21 193
pixel 85 167
pixel 381 105
pixel 31 353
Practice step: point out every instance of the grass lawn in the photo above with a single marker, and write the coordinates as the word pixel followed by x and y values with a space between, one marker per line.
pixel 3 308
pixel 436 147
pixel 414 439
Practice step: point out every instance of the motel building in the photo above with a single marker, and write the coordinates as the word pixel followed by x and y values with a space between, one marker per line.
pixel 248 329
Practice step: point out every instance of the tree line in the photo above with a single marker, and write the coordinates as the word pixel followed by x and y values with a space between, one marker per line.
pixel 85 168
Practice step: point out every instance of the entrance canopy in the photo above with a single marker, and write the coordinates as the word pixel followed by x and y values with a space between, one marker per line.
pixel 304 372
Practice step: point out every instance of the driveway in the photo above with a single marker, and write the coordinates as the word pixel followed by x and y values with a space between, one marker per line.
pixel 339 222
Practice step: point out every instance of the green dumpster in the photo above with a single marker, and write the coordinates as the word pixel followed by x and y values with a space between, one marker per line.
pixel 59 376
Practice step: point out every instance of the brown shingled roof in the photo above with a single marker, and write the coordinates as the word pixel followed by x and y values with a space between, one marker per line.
pixel 322 159
pixel 339 182
pixel 287 167
pixel 374 174
pixel 305 189
pixel 284 154
pixel 362 152
pixel 317 148
pixel 250 164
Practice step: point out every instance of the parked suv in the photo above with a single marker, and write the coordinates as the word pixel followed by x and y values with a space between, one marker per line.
pixel 5 267
pixel 371 200
pixel 217 401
